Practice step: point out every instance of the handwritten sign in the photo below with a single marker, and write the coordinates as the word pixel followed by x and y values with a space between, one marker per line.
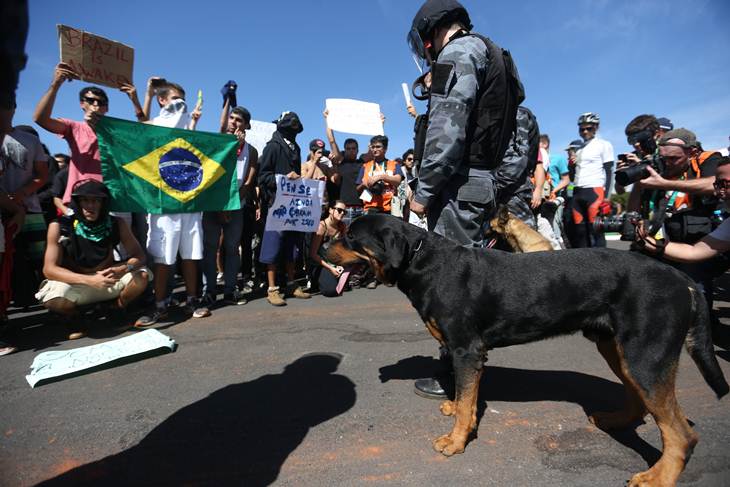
pixel 94 58
pixel 298 205
pixel 354 117
pixel 49 366
pixel 260 134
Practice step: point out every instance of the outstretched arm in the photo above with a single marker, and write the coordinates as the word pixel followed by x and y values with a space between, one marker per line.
pixel 43 114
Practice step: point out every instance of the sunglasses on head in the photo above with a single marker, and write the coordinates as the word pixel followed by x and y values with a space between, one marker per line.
pixel 96 101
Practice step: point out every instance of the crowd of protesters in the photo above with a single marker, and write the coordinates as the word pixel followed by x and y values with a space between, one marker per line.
pixel 63 248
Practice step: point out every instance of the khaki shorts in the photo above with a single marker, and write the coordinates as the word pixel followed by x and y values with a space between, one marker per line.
pixel 81 294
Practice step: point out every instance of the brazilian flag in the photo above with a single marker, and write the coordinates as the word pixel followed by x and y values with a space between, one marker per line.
pixel 150 169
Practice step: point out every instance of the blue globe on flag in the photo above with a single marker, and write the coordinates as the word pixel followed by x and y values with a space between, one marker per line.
pixel 181 169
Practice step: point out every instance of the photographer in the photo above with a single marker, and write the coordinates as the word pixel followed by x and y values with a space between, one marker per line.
pixel 378 178
pixel 709 246
pixel 675 193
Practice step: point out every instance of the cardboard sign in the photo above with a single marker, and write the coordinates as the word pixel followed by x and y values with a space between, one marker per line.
pixel 298 205
pixel 96 59
pixel 354 116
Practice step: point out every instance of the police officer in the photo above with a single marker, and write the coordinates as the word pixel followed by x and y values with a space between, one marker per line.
pixel 474 155
pixel 470 161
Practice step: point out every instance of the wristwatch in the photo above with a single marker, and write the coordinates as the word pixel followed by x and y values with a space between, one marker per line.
pixel 130 267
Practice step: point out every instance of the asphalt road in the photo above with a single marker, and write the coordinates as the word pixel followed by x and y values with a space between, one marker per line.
pixel 321 393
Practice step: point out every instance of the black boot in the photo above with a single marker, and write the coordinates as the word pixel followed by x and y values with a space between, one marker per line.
pixel 441 385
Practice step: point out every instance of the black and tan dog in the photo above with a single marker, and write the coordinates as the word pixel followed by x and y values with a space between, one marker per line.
pixel 640 313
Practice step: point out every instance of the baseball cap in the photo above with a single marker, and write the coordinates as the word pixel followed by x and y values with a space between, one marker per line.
pixel 665 123
pixel 688 138
pixel 245 114
pixel 316 144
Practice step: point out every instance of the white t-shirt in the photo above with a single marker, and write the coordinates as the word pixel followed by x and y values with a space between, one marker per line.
pixel 722 232
pixel 589 172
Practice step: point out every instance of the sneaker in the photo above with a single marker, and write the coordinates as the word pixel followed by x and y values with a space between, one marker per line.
pixel 299 293
pixel 159 314
pixel 235 298
pixel 275 297
pixel 200 309
pixel 372 284
pixel 6 348
pixel 247 287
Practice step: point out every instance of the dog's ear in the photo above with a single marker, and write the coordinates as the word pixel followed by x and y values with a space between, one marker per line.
pixel 395 246
pixel 394 253
pixel 503 215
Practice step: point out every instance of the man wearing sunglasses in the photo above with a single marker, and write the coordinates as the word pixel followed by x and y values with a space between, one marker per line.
pixel 593 169
pixel 81 138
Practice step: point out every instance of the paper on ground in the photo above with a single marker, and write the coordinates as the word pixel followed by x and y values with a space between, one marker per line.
pixel 354 116
pixel 50 365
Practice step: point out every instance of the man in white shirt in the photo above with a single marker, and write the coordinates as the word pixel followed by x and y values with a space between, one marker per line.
pixel 170 234
pixel 593 170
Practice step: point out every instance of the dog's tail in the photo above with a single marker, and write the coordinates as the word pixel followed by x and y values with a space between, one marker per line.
pixel 700 347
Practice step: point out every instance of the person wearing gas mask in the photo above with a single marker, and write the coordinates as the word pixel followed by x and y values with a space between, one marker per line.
pixel 174 233
pixel 79 260
pixel 281 155
pixel 472 157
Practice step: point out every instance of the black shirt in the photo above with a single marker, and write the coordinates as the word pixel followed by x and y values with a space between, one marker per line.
pixel 349 171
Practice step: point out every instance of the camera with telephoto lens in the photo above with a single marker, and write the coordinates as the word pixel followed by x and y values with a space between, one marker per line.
pixel 378 187
pixel 624 224
pixel 639 171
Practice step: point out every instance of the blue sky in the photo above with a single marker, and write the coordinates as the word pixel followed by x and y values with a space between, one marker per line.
pixel 614 57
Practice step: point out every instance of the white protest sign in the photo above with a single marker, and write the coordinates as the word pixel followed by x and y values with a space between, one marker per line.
pixel 406 94
pixel 260 134
pixel 354 117
pixel 50 365
pixel 298 205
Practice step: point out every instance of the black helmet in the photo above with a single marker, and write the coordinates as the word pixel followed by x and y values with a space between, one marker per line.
pixel 429 16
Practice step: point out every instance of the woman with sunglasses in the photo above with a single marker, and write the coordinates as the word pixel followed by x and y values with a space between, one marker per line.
pixel 712 245
pixel 325 274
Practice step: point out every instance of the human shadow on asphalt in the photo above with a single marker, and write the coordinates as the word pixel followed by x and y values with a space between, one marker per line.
pixel 521 385
pixel 238 435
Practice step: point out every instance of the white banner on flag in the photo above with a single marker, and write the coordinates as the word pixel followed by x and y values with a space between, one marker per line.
pixel 354 117
pixel 298 205
pixel 260 134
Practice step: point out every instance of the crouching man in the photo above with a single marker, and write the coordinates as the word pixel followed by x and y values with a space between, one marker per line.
pixel 79 261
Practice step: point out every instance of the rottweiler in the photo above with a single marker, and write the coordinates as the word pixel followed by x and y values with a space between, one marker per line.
pixel 637 310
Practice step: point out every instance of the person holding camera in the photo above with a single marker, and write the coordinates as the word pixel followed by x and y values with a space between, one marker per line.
pixel 676 195
pixel 378 178
pixel 708 247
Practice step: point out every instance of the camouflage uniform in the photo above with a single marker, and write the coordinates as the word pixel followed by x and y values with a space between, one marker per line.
pixel 458 198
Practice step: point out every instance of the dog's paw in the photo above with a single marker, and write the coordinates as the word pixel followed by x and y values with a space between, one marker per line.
pixel 610 420
pixel 448 408
pixel 651 478
pixel 445 445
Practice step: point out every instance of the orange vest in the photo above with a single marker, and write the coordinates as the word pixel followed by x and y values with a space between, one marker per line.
pixel 684 200
pixel 380 201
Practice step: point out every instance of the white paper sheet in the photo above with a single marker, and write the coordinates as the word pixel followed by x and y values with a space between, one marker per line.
pixel 354 116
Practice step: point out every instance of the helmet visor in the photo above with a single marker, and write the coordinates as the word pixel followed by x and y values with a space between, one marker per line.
pixel 415 43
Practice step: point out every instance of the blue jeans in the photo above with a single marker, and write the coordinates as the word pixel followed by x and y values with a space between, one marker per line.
pixel 232 230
